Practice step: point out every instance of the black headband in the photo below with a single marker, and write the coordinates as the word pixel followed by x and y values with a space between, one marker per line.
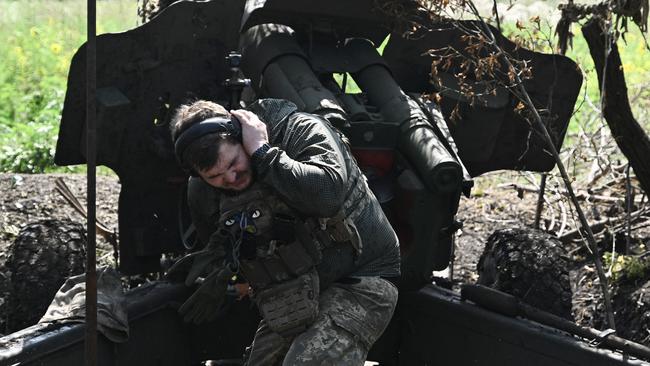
pixel 230 126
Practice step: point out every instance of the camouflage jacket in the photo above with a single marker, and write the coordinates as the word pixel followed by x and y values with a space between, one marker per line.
pixel 311 167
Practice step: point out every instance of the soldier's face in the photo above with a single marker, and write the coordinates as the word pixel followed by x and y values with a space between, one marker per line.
pixel 232 170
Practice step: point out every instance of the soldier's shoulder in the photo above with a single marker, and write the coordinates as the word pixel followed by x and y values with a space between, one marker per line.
pixel 271 110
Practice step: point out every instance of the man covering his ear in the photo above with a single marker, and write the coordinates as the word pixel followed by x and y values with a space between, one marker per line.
pixel 340 255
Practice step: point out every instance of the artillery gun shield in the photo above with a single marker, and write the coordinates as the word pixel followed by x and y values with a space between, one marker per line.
pixel 142 75
pixel 489 129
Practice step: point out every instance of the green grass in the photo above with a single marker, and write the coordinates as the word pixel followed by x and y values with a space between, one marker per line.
pixel 39 39
pixel 636 66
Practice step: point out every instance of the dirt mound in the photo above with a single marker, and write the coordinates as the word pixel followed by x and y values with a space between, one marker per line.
pixel 27 198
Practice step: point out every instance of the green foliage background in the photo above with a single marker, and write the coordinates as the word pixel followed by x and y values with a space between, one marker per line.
pixel 635 58
pixel 41 36
pixel 39 39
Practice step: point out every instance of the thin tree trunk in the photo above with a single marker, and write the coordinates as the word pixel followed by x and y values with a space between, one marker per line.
pixel 628 134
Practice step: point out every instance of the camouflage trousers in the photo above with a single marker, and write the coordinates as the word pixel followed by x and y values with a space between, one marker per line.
pixel 352 315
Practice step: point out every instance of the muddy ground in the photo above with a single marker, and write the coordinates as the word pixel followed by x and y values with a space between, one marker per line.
pixel 494 204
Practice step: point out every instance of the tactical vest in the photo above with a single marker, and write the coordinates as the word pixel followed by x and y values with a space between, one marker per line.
pixel 276 250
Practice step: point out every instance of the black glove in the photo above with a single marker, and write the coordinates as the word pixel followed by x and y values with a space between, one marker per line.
pixel 205 302
pixel 201 263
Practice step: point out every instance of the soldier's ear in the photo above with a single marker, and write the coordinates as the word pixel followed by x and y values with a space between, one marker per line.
pixel 226 125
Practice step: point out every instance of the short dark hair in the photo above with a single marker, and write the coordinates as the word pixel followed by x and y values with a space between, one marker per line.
pixel 202 153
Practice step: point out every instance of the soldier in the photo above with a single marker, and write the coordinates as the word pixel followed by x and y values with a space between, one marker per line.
pixel 306 163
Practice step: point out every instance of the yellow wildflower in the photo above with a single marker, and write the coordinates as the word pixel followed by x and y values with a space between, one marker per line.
pixel 21 58
pixel 62 64
pixel 33 31
pixel 56 48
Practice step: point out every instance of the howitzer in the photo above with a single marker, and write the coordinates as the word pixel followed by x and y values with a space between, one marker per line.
pixel 417 164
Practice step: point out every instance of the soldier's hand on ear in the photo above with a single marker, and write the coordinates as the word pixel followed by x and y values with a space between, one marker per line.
pixel 254 133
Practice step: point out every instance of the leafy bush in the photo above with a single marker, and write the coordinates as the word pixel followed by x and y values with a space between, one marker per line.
pixel 39 39
pixel 626 266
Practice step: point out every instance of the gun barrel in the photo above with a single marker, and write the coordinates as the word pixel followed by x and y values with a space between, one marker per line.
pixel 277 66
pixel 419 142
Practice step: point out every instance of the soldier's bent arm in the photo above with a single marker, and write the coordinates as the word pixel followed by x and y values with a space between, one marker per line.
pixel 307 167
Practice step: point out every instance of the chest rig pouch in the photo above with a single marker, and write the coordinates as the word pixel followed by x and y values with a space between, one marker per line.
pixel 270 249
